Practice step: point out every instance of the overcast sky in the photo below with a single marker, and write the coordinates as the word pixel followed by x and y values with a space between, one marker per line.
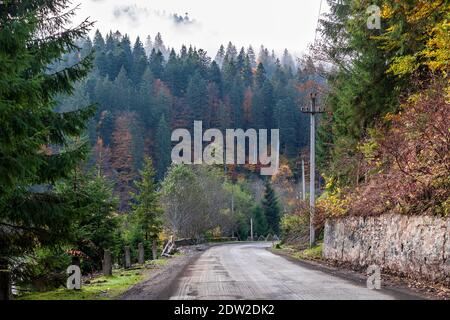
pixel 277 24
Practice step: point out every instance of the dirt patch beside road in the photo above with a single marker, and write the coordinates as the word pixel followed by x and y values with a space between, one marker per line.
pixel 159 283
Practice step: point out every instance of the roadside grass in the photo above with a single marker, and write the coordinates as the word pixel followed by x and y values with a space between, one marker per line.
pixel 314 253
pixel 99 288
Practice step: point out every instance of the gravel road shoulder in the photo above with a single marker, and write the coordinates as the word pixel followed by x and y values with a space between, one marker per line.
pixel 159 283
pixel 390 284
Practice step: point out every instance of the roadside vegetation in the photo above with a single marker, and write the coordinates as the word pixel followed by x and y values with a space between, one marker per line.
pixel 384 143
pixel 98 287
pixel 312 253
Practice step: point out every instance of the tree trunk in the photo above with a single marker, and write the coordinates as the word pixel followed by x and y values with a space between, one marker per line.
pixel 5 284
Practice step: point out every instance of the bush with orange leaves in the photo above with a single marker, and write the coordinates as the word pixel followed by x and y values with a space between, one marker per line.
pixel 409 160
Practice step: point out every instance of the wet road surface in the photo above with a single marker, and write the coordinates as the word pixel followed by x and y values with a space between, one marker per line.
pixel 249 271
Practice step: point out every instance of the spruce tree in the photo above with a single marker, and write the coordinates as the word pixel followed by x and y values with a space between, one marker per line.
pixel 139 62
pixel 231 52
pixel 95 227
pixel 156 64
pixel 251 56
pixel 196 97
pixel 173 75
pixel 147 213
pixel 260 76
pixel 268 104
pixel 122 93
pixel 125 54
pixel 215 76
pixel 148 46
pixel 247 73
pixel 38 146
pixel 158 44
pixel 259 221
pixel 100 54
pixel 162 147
pixel 236 99
pixel 220 56
pixel 271 209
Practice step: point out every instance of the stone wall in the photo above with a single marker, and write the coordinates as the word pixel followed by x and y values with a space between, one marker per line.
pixel 416 246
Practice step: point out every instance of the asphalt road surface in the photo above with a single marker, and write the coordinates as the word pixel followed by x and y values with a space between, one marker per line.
pixel 249 271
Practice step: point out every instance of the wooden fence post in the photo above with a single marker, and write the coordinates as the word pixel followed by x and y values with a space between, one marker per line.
pixel 127 257
pixel 154 249
pixel 107 265
pixel 141 253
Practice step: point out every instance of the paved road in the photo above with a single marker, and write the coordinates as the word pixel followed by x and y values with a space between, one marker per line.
pixel 249 271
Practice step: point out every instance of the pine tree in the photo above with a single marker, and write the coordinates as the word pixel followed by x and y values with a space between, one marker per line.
pixel 95 227
pixel 236 99
pixel 271 209
pixel 215 76
pixel 100 53
pixel 162 147
pixel 147 213
pixel 158 45
pixel 251 56
pixel 287 61
pixel 122 159
pixel 109 42
pixel 125 55
pixel 196 96
pixel 157 64
pixel 38 145
pixel 146 100
pixel 148 46
pixel 247 107
pixel 122 92
pixel 231 52
pixel 173 74
pixel 286 119
pixel 229 73
pixel 260 76
pixel 139 62
pixel 240 60
pixel 99 42
pixel 259 221
pixel 268 104
pixel 220 56
pixel 247 73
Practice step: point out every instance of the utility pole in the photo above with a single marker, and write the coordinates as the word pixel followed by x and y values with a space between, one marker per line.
pixel 232 210
pixel 303 181
pixel 312 165
pixel 251 229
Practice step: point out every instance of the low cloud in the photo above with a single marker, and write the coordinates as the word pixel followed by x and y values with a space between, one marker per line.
pixel 138 15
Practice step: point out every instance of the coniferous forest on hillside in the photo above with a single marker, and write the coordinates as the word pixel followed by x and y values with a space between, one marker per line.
pixel 144 92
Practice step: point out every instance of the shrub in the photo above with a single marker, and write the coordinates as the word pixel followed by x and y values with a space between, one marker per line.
pixel 408 162
pixel 295 228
